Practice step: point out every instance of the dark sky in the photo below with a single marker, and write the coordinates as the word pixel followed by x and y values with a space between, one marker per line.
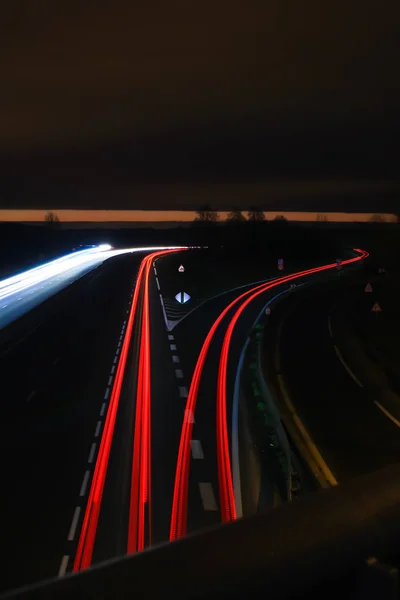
pixel 111 95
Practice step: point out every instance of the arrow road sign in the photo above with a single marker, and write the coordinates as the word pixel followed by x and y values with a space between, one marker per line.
pixel 182 297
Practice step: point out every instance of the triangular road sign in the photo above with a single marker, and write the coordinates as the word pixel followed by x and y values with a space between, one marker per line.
pixel 376 308
pixel 368 287
pixel 181 269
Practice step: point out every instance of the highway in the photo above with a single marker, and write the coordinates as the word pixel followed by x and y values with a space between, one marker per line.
pixel 59 367
pixel 118 435
pixel 353 435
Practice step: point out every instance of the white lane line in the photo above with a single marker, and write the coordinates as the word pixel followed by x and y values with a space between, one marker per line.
pixel 183 393
pixel 124 323
pixel 197 450
pixel 30 396
pixel 84 483
pixel 387 413
pixel 4 306
pixel 179 373
pixel 103 408
pixel 106 394
pixel 330 326
pixel 74 523
pixel 207 496
pixel 155 270
pixel 112 369
pixel 63 566
pixel 110 380
pixel 158 284
pixel 175 358
pixel 115 358
pixel 349 371
pixel 91 453
pixel 170 336
pixel 172 346
pixel 98 427
pixel 119 343
pixel 164 313
pixel 189 417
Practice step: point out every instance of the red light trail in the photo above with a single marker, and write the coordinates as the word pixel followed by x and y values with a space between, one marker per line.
pixel 227 502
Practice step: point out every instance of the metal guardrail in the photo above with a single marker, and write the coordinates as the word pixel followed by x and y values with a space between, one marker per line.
pixel 308 549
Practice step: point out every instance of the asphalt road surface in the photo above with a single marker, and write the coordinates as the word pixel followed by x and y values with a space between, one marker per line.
pixel 352 434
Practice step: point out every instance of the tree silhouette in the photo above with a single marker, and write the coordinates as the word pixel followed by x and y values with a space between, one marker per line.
pixel 51 219
pixel 205 214
pixel 280 219
pixel 236 216
pixel 255 214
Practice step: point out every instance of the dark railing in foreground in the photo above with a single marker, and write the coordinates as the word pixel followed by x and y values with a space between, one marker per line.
pixel 311 548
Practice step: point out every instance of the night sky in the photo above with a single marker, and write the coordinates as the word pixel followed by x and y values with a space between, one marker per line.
pixel 101 101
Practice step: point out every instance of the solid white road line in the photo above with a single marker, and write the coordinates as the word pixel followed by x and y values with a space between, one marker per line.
pixel 330 326
pixel 103 408
pixel 63 566
pixel 179 373
pixel 349 371
pixel 170 336
pixel 197 450
pixel 91 454
pixel 107 393
pixel 84 483
pixel 74 523
pixel 183 393
pixel 387 413
pixel 164 313
pixel 207 496
pixel 175 358
pixel 98 427
pixel 172 346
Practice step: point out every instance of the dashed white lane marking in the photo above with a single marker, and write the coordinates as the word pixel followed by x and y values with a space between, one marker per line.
pixel 103 408
pixel 30 396
pixel 115 358
pixel 175 358
pixel 110 380
pixel 155 270
pixel 98 427
pixel 84 483
pixel 158 284
pixel 63 566
pixel 207 496
pixel 330 326
pixel 387 413
pixel 179 373
pixel 119 343
pixel 4 306
pixel 74 523
pixel 106 394
pixel 197 450
pixel 91 453
pixel 112 369
pixel 189 417
pixel 170 336
pixel 183 393
pixel 349 371
pixel 172 346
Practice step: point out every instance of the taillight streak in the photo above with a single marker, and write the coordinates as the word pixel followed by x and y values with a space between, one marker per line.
pixel 179 501
pixel 87 536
